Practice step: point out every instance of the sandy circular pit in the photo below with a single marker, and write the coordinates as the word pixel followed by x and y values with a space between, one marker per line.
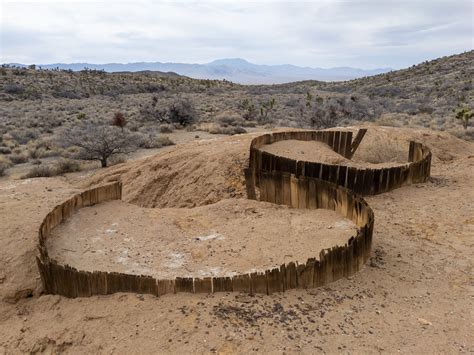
pixel 229 237
pixel 320 152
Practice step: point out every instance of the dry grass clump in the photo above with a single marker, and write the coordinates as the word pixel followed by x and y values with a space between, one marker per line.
pixel 226 122
pixel 117 159
pixel 379 152
pixel 4 165
pixel 18 157
pixel 165 128
pixel 44 148
pixel 152 141
pixel 39 171
pixel 64 166
pixel 61 167
pixel 229 130
pixel 5 150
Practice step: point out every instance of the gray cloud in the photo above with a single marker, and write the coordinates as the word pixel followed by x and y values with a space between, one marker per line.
pixel 367 34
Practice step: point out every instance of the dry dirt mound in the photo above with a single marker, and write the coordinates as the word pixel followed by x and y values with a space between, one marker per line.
pixel 204 172
pixel 189 175
pixel 319 152
pixel 390 144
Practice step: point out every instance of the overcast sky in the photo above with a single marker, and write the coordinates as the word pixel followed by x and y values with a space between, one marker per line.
pixel 365 34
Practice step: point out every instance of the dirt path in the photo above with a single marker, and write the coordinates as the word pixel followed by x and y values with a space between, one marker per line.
pixel 414 296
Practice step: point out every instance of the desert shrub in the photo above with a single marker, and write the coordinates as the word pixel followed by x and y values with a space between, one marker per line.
pixel 165 141
pixel 20 71
pixel 45 152
pixel 229 119
pixel 5 150
pixel 390 120
pixel 67 166
pixel 39 171
pixel 14 89
pixel 4 165
pixel 3 168
pixel 229 130
pixel 150 141
pixel 165 128
pixel 23 136
pixel 376 153
pixel 293 102
pixel 117 159
pixel 99 142
pixel 153 88
pixel 182 111
pixel 18 158
pixel 66 94
pixel 119 120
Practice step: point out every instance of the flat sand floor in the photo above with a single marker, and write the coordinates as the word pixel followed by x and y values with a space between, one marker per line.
pixel 222 239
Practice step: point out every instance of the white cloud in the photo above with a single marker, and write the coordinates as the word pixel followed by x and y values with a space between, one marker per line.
pixel 371 33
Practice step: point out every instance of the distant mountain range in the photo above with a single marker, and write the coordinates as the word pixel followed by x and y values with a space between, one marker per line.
pixel 234 69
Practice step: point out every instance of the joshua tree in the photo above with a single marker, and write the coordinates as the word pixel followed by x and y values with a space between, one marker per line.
pixel 266 108
pixel 99 142
pixel 250 112
pixel 464 115
pixel 309 98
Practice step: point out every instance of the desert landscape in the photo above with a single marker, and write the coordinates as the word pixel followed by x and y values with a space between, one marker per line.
pixel 161 194
pixel 414 294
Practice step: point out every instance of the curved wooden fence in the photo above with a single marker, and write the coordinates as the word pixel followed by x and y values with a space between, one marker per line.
pixel 363 181
pixel 277 185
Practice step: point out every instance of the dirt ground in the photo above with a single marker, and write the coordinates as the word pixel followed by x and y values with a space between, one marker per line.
pixel 320 152
pixel 415 295
pixel 230 237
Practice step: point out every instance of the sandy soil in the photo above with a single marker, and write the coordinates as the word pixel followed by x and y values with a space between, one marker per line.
pixel 415 295
pixel 187 175
pixel 319 152
pixel 223 239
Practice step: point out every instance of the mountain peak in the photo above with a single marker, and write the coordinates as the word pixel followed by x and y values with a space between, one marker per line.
pixel 230 61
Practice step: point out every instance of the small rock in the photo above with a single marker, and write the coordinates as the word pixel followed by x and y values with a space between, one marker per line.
pixel 424 322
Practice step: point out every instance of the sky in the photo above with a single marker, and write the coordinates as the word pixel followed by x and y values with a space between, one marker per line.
pixel 325 33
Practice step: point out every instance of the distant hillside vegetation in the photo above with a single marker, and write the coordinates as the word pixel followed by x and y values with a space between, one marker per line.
pixel 233 69
pixel 38 103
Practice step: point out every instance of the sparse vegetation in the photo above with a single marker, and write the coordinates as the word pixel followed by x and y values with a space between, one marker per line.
pixel 182 112
pixel 64 166
pixel 39 171
pixel 4 165
pixel 99 142
pixel 464 115
pixel 119 120
pixel 37 105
